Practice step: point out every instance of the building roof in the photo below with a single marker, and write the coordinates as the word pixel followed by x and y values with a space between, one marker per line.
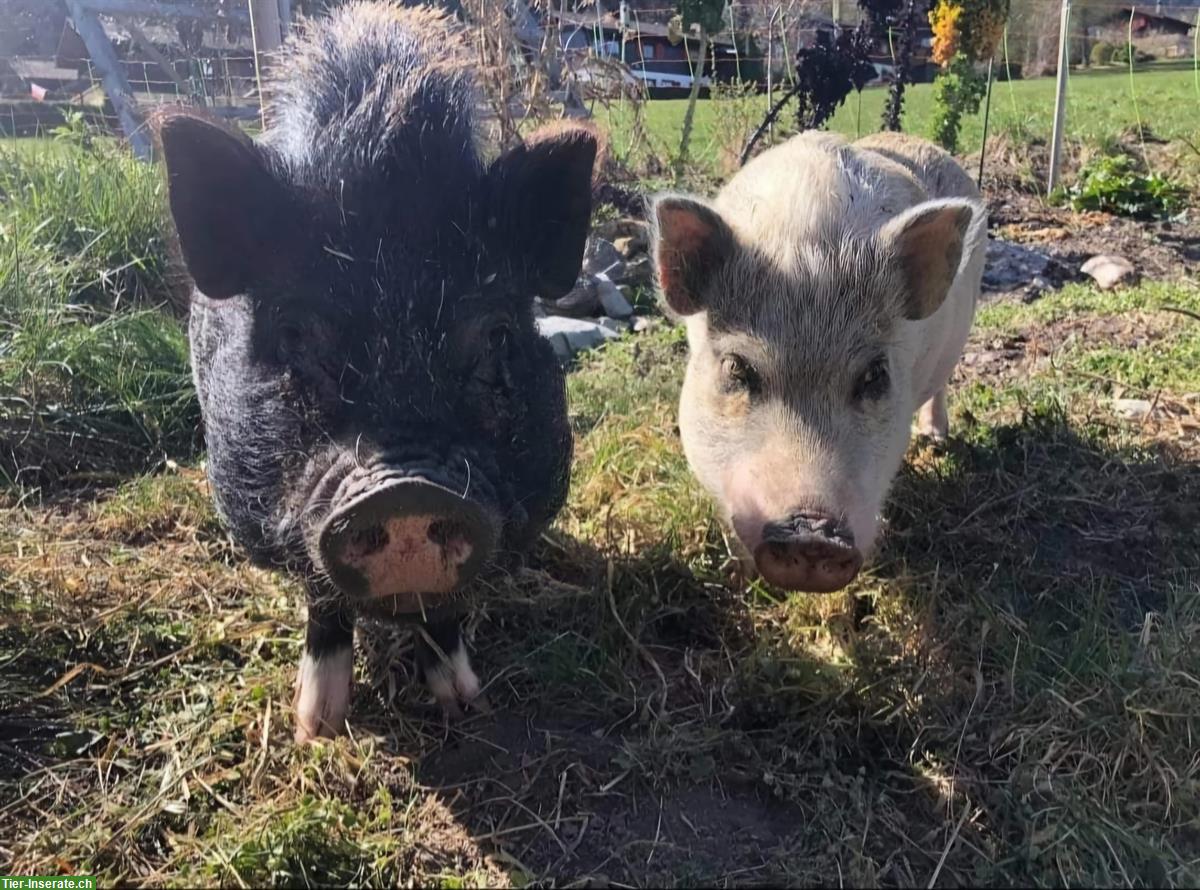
pixel 1153 19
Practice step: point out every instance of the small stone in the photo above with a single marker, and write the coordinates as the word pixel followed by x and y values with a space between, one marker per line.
pixel 645 323
pixel 1109 270
pixel 1132 409
pixel 583 299
pixel 561 347
pixel 639 272
pixel 602 258
pixel 1011 266
pixel 616 325
pixel 611 299
pixel 577 333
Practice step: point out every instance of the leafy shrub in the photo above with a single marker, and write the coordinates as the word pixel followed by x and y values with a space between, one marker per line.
pixel 1111 184
pixel 1102 53
pixel 1121 55
pixel 957 90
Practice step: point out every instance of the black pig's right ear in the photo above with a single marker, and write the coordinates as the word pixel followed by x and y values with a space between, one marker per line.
pixel 541 204
pixel 224 200
pixel 691 243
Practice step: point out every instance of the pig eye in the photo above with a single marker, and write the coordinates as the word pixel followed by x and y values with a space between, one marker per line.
pixel 738 373
pixel 873 382
pixel 289 341
pixel 498 338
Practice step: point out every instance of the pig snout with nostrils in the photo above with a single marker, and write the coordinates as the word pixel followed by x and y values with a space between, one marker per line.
pixel 381 416
pixel 827 291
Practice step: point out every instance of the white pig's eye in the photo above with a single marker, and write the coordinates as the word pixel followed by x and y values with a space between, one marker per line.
pixel 738 373
pixel 873 382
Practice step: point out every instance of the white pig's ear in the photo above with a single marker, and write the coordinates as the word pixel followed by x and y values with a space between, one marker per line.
pixel 540 203
pixel 691 243
pixel 224 200
pixel 927 243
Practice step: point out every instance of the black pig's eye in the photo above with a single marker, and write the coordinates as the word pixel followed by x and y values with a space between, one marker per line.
pixel 873 382
pixel 739 374
pixel 498 339
pixel 289 341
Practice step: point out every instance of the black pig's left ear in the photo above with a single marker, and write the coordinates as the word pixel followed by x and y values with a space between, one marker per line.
pixel 540 204
pixel 229 209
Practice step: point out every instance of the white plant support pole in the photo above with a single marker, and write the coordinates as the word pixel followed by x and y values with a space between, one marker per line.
pixel 267 35
pixel 112 76
pixel 1060 95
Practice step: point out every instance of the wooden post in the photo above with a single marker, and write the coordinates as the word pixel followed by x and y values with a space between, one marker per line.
pixel 1060 95
pixel 112 76
pixel 267 36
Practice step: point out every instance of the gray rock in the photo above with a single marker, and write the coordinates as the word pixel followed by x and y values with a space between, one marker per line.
pixel 639 272
pixel 645 323
pixel 583 299
pixel 602 258
pixel 612 301
pixel 1108 270
pixel 577 334
pixel 1012 266
pixel 1132 409
pixel 562 349
pixel 616 325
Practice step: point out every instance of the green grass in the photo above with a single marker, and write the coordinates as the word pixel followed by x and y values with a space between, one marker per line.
pixel 94 379
pixel 1005 697
pixel 1080 299
pixel 1099 107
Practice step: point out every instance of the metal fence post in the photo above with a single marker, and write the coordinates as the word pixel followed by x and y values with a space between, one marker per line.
pixel 1060 95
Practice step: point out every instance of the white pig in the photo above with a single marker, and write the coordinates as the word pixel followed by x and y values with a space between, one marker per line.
pixel 828 291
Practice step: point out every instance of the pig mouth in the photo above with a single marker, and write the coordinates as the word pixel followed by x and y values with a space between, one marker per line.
pixel 401 542
pixel 808 552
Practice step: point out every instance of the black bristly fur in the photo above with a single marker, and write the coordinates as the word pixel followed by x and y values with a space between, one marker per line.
pixel 357 299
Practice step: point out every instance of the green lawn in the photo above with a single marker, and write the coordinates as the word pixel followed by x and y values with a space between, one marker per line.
pixel 1099 107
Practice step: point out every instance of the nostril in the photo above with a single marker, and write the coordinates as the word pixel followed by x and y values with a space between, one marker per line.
pixel 365 541
pixel 453 538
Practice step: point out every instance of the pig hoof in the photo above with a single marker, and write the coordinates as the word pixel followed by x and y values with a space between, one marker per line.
pixel 323 694
pixel 454 684
pixel 932 433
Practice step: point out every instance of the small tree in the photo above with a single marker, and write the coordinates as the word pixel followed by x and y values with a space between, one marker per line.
pixel 708 16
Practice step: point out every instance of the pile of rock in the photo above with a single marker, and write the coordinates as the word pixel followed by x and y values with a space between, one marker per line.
pixel 616 274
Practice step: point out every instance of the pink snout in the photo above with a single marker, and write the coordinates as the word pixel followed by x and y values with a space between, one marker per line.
pixel 809 551
pixel 405 538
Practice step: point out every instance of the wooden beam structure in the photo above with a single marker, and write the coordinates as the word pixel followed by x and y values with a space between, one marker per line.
pixel 151 51
pixel 154 9
pixel 112 75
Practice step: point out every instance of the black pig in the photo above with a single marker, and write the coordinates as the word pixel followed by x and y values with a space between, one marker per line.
pixel 381 416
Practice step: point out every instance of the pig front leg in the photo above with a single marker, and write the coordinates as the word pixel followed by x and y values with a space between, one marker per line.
pixel 932 419
pixel 326 672
pixel 443 662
